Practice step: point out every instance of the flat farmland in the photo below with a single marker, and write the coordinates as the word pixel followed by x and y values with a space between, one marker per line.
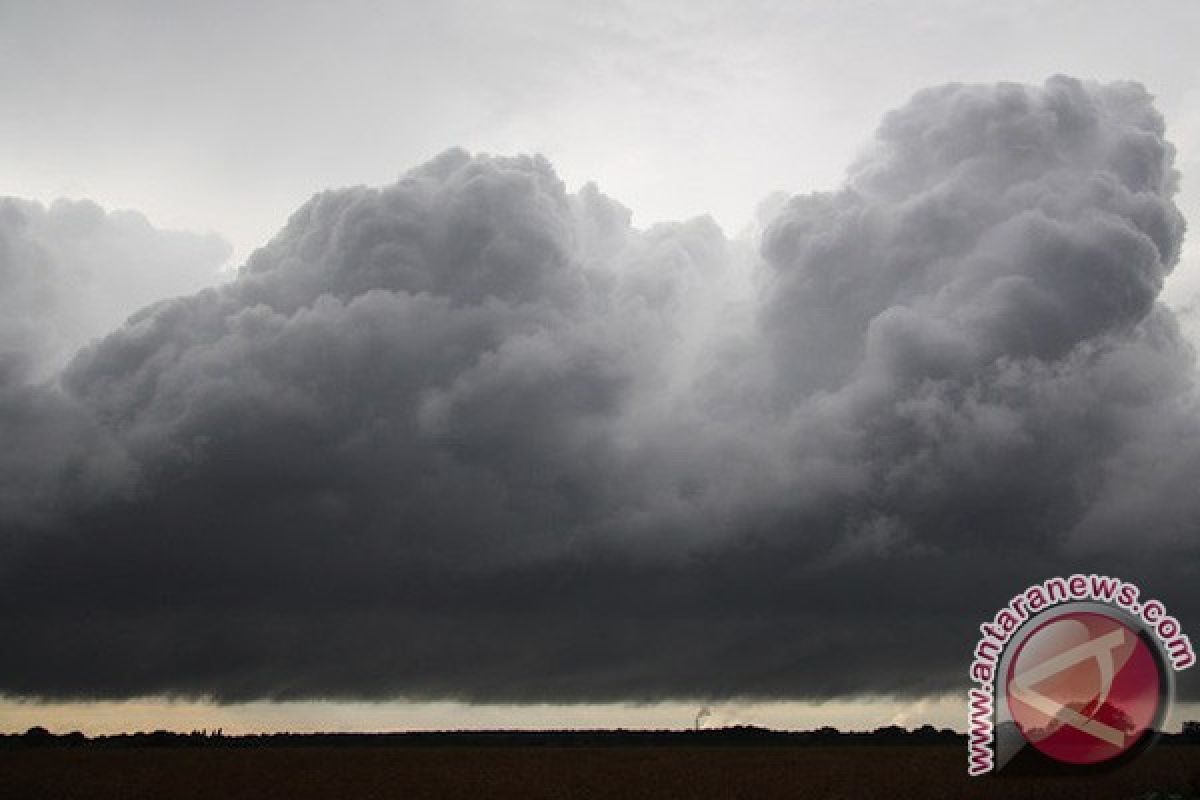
pixel 413 773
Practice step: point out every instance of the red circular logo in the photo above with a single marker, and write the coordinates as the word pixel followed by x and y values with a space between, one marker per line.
pixel 1084 687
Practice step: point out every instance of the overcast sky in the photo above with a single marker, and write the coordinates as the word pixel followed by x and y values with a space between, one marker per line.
pixel 226 116
pixel 486 402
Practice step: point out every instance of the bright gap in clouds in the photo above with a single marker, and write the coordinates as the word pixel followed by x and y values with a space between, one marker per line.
pixel 116 717
pixel 111 717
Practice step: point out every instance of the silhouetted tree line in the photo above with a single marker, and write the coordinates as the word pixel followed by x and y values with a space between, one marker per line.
pixel 748 735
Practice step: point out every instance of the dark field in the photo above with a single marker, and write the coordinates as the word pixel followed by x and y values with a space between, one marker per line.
pixel 558 772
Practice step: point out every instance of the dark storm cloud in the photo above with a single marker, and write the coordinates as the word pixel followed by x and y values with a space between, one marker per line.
pixel 471 436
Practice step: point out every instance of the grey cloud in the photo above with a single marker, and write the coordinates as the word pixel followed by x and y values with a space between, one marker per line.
pixel 978 305
pixel 72 272
pixel 69 273
pixel 1023 221
pixel 470 435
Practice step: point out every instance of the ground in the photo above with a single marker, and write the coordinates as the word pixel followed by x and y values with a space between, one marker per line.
pixel 630 773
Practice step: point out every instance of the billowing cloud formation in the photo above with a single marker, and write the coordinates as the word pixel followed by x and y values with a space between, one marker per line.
pixel 68 274
pixel 472 436
pixel 72 272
